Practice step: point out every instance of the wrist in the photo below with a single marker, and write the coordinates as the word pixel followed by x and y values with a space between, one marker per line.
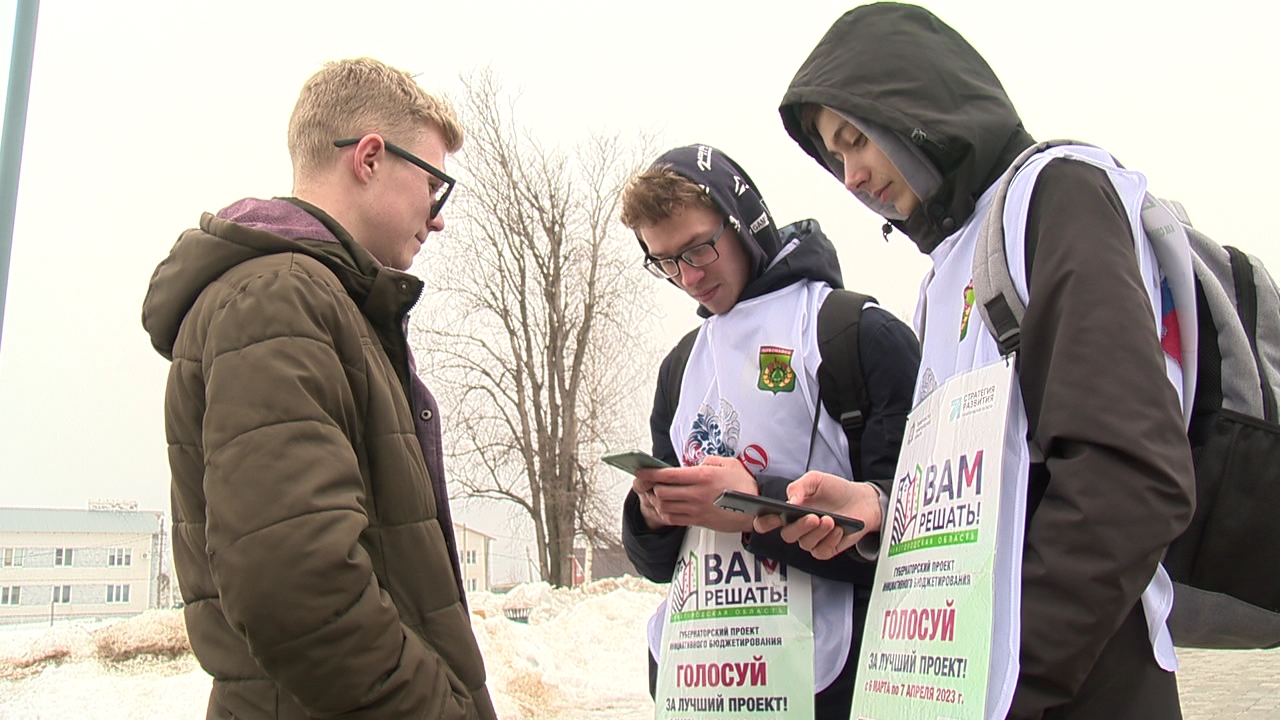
pixel 874 500
pixel 746 483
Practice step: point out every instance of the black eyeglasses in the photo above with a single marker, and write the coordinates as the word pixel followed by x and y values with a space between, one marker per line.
pixel 438 195
pixel 697 256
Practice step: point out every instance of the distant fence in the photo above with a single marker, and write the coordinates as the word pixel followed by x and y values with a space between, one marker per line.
pixel 43 616
pixel 520 615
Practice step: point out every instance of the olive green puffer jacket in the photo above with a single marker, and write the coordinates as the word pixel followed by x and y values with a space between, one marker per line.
pixel 316 576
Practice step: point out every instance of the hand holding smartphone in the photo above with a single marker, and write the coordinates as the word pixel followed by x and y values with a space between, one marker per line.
pixel 759 505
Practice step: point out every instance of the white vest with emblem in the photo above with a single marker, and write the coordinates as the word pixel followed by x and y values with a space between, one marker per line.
pixel 737 400
pixel 955 339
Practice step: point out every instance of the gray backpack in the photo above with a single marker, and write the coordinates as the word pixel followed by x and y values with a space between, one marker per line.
pixel 1226 565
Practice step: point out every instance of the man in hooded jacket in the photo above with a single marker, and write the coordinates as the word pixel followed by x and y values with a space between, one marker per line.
pixel 311 535
pixel 910 118
pixel 704 227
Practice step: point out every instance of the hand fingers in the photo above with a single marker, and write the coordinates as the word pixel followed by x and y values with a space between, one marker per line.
pixel 649 509
pixel 698 494
pixel 804 488
pixel 646 500
pixel 793 532
pixel 673 502
pixel 648 477
pixel 822 527
pixel 823 491
pixel 663 511
pixel 830 544
pixel 672 493
pixel 767 523
pixel 696 475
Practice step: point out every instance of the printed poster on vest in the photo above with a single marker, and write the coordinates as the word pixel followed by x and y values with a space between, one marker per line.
pixel 738 641
pixel 937 642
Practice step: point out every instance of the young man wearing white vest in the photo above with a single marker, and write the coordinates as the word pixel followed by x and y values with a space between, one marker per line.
pixel 910 118
pixel 704 227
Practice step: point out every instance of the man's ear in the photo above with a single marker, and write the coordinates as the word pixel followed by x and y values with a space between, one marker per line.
pixel 370 153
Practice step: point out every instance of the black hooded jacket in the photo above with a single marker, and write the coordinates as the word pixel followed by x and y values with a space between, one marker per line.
pixel 1116 483
pixel 901 67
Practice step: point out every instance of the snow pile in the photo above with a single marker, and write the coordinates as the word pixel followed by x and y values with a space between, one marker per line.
pixel 582 653
pixel 541 603
pixel 157 634
pixel 64 643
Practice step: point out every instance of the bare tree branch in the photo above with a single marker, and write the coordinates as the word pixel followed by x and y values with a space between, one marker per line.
pixel 542 369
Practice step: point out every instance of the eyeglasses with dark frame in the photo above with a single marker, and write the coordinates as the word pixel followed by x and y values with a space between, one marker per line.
pixel 448 182
pixel 699 255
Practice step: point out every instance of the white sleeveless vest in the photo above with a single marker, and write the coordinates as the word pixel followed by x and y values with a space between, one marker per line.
pixel 750 390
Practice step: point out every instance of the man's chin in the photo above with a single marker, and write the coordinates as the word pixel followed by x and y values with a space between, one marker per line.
pixel 715 306
pixel 886 210
pixel 407 262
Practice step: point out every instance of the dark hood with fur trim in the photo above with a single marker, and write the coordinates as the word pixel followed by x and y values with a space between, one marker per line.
pixel 901 67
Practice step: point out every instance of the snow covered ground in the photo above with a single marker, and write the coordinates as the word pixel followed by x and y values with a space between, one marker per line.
pixel 582 655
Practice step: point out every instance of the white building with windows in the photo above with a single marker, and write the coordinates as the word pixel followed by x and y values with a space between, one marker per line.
pixel 77 563
pixel 473 551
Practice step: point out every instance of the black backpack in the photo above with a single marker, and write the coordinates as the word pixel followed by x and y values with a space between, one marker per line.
pixel 1226 564
pixel 841 387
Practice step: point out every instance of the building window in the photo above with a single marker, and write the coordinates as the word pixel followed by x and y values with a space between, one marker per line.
pixel 61 594
pixel 471 557
pixel 11 557
pixel 62 557
pixel 471 584
pixel 117 593
pixel 10 595
pixel 120 557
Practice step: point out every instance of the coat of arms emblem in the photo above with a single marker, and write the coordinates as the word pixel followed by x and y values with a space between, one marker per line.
pixel 776 374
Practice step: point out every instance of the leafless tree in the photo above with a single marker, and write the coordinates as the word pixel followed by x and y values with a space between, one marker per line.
pixel 538 345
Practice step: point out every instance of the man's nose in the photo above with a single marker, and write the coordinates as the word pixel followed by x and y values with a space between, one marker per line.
pixel 855 176
pixel 436 224
pixel 689 276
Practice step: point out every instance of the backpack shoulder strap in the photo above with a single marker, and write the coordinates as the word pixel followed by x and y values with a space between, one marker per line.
pixel 841 386
pixel 675 373
pixel 997 298
pixel 993 290
pixel 1243 275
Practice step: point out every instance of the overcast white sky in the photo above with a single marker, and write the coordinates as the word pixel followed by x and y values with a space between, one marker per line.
pixel 144 114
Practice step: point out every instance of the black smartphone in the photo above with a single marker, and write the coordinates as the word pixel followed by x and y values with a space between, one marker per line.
pixel 758 505
pixel 632 460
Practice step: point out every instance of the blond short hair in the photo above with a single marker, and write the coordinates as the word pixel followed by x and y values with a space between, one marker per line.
pixel 658 193
pixel 352 98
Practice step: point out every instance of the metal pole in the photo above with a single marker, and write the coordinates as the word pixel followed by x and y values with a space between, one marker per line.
pixel 15 126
